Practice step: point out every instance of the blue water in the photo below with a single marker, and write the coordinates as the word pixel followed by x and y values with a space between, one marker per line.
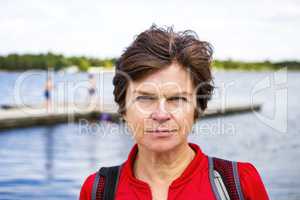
pixel 52 162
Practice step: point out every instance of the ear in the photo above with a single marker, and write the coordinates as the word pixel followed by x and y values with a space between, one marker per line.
pixel 124 117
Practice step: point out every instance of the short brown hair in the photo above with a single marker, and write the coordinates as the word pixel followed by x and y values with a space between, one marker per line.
pixel 157 48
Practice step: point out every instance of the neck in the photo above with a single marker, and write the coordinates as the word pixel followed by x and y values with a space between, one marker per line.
pixel 162 167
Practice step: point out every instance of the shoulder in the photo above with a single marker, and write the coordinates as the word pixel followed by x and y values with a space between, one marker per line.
pixel 251 181
pixel 248 172
pixel 86 188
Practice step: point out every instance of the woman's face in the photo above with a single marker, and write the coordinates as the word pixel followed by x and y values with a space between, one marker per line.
pixel 160 108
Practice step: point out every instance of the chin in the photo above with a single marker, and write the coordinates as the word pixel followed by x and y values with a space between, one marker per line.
pixel 161 146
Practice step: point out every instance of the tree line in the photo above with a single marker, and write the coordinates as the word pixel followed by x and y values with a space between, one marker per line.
pixel 256 66
pixel 17 62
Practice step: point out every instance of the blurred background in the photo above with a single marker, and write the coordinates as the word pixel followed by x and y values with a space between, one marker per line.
pixel 57 59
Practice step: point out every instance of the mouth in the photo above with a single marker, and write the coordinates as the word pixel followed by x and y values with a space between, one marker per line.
pixel 161 130
pixel 161 133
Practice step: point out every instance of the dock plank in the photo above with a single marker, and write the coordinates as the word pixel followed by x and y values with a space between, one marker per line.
pixel 30 116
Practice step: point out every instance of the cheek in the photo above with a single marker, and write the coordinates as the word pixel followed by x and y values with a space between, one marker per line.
pixel 135 122
pixel 185 121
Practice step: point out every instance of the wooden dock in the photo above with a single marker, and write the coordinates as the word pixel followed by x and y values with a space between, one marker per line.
pixel 17 117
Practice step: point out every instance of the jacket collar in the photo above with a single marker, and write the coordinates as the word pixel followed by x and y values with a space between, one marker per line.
pixel 196 164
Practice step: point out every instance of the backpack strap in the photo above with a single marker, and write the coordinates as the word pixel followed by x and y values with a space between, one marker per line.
pixel 224 179
pixel 105 183
pixel 223 176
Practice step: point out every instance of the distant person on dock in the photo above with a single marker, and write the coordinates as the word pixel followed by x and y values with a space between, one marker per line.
pixel 92 90
pixel 47 92
pixel 162 84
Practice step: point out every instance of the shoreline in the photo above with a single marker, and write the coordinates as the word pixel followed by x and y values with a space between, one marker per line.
pixel 100 70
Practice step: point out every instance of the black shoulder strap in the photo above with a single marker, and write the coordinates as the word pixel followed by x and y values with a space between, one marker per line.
pixel 105 183
pixel 224 179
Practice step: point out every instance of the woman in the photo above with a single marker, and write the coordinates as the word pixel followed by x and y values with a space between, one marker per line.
pixel 162 85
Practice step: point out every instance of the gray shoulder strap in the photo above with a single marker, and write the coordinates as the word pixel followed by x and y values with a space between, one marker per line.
pixel 237 180
pixel 95 185
pixel 216 182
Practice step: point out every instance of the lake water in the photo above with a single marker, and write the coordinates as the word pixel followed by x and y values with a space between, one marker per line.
pixel 52 162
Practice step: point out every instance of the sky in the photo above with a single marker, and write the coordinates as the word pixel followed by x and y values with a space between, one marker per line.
pixel 249 30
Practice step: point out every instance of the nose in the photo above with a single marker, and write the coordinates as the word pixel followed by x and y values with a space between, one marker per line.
pixel 160 114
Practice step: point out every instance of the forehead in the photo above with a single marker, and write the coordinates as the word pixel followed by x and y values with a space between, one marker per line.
pixel 173 78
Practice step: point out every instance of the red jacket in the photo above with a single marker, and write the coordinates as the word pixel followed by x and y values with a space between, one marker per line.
pixel 192 184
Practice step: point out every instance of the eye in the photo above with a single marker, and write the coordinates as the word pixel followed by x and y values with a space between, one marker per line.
pixel 145 98
pixel 177 99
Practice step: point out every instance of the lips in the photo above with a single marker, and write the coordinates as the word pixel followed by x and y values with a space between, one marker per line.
pixel 161 133
pixel 161 130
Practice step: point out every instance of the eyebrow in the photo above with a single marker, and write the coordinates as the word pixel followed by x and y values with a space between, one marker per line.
pixel 152 94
